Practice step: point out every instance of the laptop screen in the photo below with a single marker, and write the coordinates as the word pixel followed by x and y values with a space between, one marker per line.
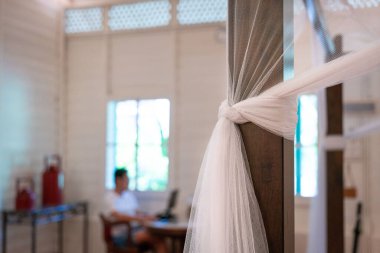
pixel 172 199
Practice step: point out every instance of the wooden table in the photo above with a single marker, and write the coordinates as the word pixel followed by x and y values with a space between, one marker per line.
pixel 45 215
pixel 175 232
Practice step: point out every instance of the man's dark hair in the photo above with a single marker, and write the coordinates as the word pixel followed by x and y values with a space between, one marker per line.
pixel 119 173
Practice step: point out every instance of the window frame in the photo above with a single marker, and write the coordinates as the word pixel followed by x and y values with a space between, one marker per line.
pixel 113 101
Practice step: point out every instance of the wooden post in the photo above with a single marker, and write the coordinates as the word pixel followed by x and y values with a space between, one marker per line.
pixel 270 157
pixel 334 166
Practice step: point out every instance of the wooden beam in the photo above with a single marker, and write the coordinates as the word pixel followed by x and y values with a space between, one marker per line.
pixel 270 157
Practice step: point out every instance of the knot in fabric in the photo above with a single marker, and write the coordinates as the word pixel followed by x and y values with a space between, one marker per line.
pixel 231 113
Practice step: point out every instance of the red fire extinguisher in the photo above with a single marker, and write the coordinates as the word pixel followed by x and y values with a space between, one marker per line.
pixel 25 197
pixel 52 181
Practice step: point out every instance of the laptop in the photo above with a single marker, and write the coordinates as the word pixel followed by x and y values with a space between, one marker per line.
pixel 168 215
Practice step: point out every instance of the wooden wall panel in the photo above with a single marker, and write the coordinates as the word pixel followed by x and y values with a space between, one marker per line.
pixel 142 60
pixel 29 107
pixel 202 86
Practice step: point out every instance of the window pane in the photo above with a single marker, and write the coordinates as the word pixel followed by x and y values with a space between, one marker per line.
pixel 125 137
pixel 306 147
pixel 153 144
pixel 110 156
pixel 309 165
pixel 153 168
pixel 110 166
pixel 309 120
pixel 201 11
pixel 84 20
pixel 153 121
pixel 126 116
pixel 149 127
pixel 297 171
pixel 140 15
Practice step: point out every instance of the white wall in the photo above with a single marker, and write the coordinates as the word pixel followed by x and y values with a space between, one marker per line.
pixel 188 66
pixel 30 40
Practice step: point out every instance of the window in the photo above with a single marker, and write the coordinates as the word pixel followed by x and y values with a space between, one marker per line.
pixel 140 15
pixel 306 147
pixel 84 20
pixel 137 139
pixel 201 11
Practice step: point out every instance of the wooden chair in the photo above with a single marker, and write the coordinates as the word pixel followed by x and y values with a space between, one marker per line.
pixel 107 235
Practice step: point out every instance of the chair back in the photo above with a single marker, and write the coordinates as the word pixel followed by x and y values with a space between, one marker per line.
pixel 107 236
pixel 107 229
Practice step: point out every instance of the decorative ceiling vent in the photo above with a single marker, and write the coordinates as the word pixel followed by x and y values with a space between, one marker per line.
pixel 201 11
pixel 140 15
pixel 84 20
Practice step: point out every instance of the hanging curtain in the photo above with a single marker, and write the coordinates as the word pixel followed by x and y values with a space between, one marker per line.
pixel 225 215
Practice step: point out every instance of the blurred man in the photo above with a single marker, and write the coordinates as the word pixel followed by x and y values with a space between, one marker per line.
pixel 122 205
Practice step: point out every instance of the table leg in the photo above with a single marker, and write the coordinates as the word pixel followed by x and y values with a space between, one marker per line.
pixel 85 228
pixel 60 236
pixel 174 248
pixel 4 233
pixel 34 234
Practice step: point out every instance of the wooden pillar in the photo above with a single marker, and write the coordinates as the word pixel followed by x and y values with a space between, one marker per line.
pixel 270 157
pixel 334 165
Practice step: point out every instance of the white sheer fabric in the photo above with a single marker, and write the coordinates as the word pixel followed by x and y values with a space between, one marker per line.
pixel 276 108
pixel 225 215
pixel 224 204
